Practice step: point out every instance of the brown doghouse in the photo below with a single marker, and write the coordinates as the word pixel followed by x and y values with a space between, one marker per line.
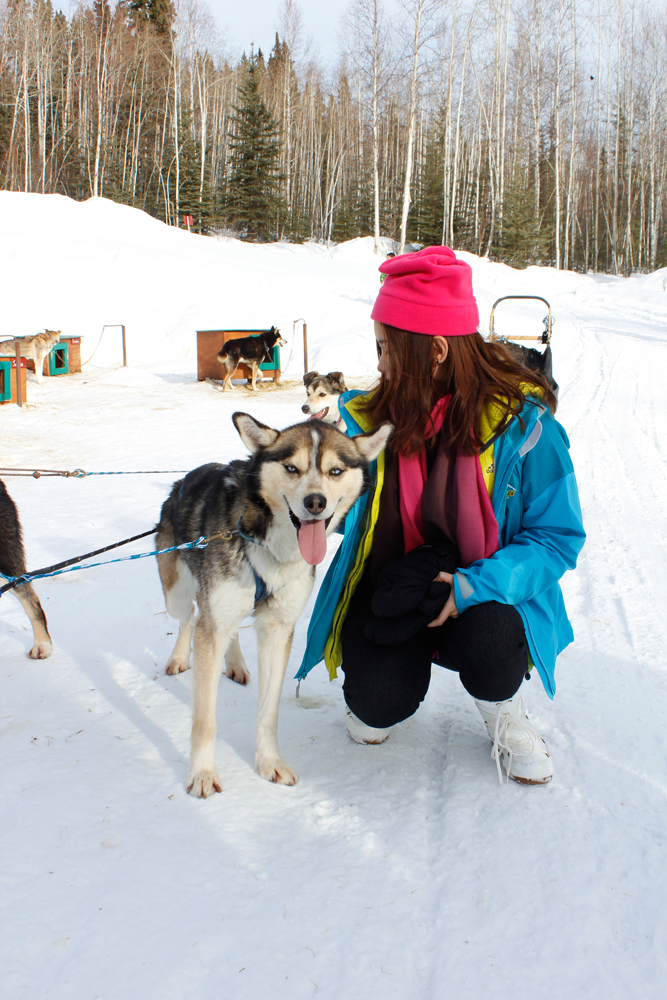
pixel 210 342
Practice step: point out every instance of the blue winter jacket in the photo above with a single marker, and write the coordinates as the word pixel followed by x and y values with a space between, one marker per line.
pixel 536 504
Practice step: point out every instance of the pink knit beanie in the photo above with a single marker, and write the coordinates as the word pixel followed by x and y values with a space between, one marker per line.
pixel 428 292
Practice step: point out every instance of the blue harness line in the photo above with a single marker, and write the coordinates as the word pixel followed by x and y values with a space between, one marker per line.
pixel 261 589
pixel 17 581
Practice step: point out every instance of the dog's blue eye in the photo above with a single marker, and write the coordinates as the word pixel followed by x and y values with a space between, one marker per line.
pixel 291 469
pixel 335 472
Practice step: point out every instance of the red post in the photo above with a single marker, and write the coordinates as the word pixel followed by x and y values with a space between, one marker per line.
pixel 187 220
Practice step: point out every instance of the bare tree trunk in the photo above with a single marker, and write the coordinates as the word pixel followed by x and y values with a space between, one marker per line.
pixel 570 177
pixel 457 140
pixel 629 256
pixel 559 62
pixel 374 125
pixel 417 14
pixel 447 180
pixel 502 129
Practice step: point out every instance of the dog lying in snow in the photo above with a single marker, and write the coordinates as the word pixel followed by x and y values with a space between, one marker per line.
pixel 323 392
pixel 33 348
pixel 253 351
pixel 12 563
pixel 269 517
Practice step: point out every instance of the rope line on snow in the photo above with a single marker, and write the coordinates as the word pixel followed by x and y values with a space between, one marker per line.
pixel 70 562
pixel 59 568
pixel 81 473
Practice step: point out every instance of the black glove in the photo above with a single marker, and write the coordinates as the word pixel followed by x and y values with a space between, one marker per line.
pixel 407 597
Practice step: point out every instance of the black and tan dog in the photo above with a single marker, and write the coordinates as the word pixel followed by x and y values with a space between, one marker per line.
pixel 12 563
pixel 533 360
pixel 323 394
pixel 252 351
pixel 269 517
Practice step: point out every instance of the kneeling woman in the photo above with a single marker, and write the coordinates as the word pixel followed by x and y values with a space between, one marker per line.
pixel 475 494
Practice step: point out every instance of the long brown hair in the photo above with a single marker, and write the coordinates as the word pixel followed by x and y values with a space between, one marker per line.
pixel 475 372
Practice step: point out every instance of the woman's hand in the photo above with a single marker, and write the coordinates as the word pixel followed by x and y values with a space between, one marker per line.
pixel 450 609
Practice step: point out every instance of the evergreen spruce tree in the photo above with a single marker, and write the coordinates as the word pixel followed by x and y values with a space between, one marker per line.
pixel 524 241
pixel 252 203
pixel 193 199
pixel 160 14
pixel 425 219
pixel 354 214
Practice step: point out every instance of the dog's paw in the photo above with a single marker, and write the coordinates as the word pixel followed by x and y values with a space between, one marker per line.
pixel 238 672
pixel 204 783
pixel 276 770
pixel 177 666
pixel 41 650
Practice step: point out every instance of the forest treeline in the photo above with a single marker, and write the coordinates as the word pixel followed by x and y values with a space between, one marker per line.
pixel 533 131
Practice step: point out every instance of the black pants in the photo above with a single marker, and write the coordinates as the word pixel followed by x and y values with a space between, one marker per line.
pixel 386 684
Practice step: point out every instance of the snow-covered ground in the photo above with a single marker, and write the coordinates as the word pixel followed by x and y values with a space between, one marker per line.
pixel 399 871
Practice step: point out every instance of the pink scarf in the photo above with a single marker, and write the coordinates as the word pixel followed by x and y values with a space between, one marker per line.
pixel 469 521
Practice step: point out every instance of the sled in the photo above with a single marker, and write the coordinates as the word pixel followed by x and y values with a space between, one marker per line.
pixel 540 361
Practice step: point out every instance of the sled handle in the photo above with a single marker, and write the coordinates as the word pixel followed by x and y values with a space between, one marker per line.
pixel 544 337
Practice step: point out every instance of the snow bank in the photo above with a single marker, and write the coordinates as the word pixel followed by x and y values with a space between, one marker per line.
pixel 79 266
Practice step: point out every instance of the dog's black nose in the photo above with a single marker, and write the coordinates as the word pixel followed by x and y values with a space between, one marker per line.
pixel 315 503
pixel 305 408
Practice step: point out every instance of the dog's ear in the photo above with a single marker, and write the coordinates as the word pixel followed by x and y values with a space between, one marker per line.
pixel 254 435
pixel 337 380
pixel 370 445
pixel 310 377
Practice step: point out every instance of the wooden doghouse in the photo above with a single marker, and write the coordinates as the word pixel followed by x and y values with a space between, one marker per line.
pixel 210 342
pixel 8 381
pixel 64 358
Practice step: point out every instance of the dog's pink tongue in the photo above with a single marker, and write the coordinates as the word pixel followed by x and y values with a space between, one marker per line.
pixel 313 541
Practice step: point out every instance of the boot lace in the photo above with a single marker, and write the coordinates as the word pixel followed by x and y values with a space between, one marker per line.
pixel 523 740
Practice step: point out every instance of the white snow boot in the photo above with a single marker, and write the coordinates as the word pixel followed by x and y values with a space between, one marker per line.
pixel 524 752
pixel 361 733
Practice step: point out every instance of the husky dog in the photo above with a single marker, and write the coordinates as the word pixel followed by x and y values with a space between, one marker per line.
pixel 536 361
pixel 12 563
pixel 251 350
pixel 323 392
pixel 33 348
pixel 269 517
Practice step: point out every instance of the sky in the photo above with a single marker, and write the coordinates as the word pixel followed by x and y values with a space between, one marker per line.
pixel 257 20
